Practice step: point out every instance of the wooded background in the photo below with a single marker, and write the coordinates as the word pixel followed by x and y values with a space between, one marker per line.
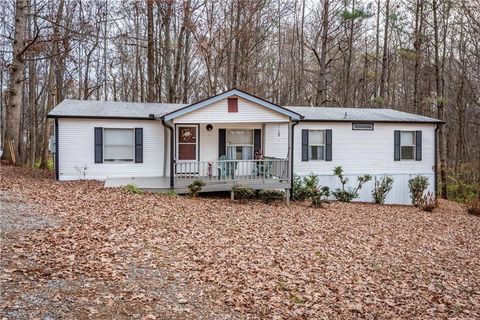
pixel 410 55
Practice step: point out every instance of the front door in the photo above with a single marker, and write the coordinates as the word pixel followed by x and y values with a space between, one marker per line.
pixel 187 148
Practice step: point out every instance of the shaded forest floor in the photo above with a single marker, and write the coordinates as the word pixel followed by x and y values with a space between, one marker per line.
pixel 77 250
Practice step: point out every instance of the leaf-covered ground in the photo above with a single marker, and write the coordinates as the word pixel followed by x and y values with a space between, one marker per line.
pixel 77 250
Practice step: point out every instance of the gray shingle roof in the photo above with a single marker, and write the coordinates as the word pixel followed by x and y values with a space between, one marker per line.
pixel 111 109
pixel 359 114
pixel 138 110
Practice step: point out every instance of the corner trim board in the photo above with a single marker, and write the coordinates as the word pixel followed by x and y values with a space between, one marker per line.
pixel 57 171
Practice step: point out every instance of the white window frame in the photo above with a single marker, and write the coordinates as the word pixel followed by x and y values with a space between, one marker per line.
pixel 355 124
pixel 241 145
pixel 408 145
pixel 118 160
pixel 324 145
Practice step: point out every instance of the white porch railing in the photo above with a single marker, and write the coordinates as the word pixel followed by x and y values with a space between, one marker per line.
pixel 232 170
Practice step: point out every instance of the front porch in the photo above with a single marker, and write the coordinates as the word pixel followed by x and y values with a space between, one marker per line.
pixel 221 175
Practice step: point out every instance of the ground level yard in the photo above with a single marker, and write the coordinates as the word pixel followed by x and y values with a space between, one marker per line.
pixel 77 250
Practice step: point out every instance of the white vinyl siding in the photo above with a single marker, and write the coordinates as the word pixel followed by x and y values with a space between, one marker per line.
pixel 368 152
pixel 217 112
pixel 76 150
pixel 276 140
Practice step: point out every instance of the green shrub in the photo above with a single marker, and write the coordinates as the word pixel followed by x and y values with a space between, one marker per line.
pixel 417 187
pixel 298 191
pixel 269 196
pixel 132 188
pixel 319 196
pixel 473 207
pixel 381 189
pixel 195 187
pixel 310 182
pixel 429 202
pixel 242 192
pixel 49 165
pixel 171 193
pixel 308 188
pixel 347 195
pixel 461 191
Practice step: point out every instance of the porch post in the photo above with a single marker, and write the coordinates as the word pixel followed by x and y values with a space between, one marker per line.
pixel 172 153
pixel 292 144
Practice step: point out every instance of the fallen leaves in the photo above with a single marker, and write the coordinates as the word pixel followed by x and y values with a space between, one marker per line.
pixel 111 254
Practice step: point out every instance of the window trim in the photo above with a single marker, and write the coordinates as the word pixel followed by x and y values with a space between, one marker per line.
pixel 360 129
pixel 317 145
pixel 242 144
pixel 118 160
pixel 414 145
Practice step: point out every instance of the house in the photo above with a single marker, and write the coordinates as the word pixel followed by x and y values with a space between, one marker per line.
pixel 237 138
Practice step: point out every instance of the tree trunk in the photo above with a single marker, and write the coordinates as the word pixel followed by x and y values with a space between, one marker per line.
pixel 322 84
pixel 236 55
pixel 51 98
pixel 348 65
pixel 150 54
pixel 32 100
pixel 15 88
pixel 440 101
pixel 383 76
pixel 167 49
pixel 418 54
pixel 377 50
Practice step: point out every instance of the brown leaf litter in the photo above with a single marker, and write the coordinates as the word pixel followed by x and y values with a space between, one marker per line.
pixel 78 250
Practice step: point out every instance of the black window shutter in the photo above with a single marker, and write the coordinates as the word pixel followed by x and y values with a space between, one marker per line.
pixel 257 140
pixel 328 145
pixel 138 145
pixel 396 143
pixel 418 145
pixel 222 142
pixel 98 145
pixel 304 145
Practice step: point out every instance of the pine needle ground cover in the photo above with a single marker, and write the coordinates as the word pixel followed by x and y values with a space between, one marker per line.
pixel 77 250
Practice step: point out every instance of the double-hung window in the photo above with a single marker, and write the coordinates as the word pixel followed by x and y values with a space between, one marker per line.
pixel 316 144
pixel 407 145
pixel 118 145
pixel 240 144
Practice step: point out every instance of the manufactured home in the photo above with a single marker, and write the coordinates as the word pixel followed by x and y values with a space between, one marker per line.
pixel 237 138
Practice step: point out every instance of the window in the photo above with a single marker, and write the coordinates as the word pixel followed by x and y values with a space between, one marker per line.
pixel 187 143
pixel 240 144
pixel 118 144
pixel 362 126
pixel 316 144
pixel 407 145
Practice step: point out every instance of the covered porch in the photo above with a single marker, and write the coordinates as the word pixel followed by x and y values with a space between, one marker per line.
pixel 230 139
pixel 222 175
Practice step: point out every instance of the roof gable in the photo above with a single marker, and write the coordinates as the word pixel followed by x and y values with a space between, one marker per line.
pixel 230 93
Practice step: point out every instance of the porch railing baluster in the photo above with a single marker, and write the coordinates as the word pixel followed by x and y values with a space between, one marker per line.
pixel 232 170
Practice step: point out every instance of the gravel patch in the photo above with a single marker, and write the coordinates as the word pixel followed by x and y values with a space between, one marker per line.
pixel 19 215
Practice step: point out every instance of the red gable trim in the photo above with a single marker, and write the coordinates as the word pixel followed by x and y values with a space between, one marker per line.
pixel 232 105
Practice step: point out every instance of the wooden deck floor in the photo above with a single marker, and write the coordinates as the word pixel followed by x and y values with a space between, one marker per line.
pixel 162 184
